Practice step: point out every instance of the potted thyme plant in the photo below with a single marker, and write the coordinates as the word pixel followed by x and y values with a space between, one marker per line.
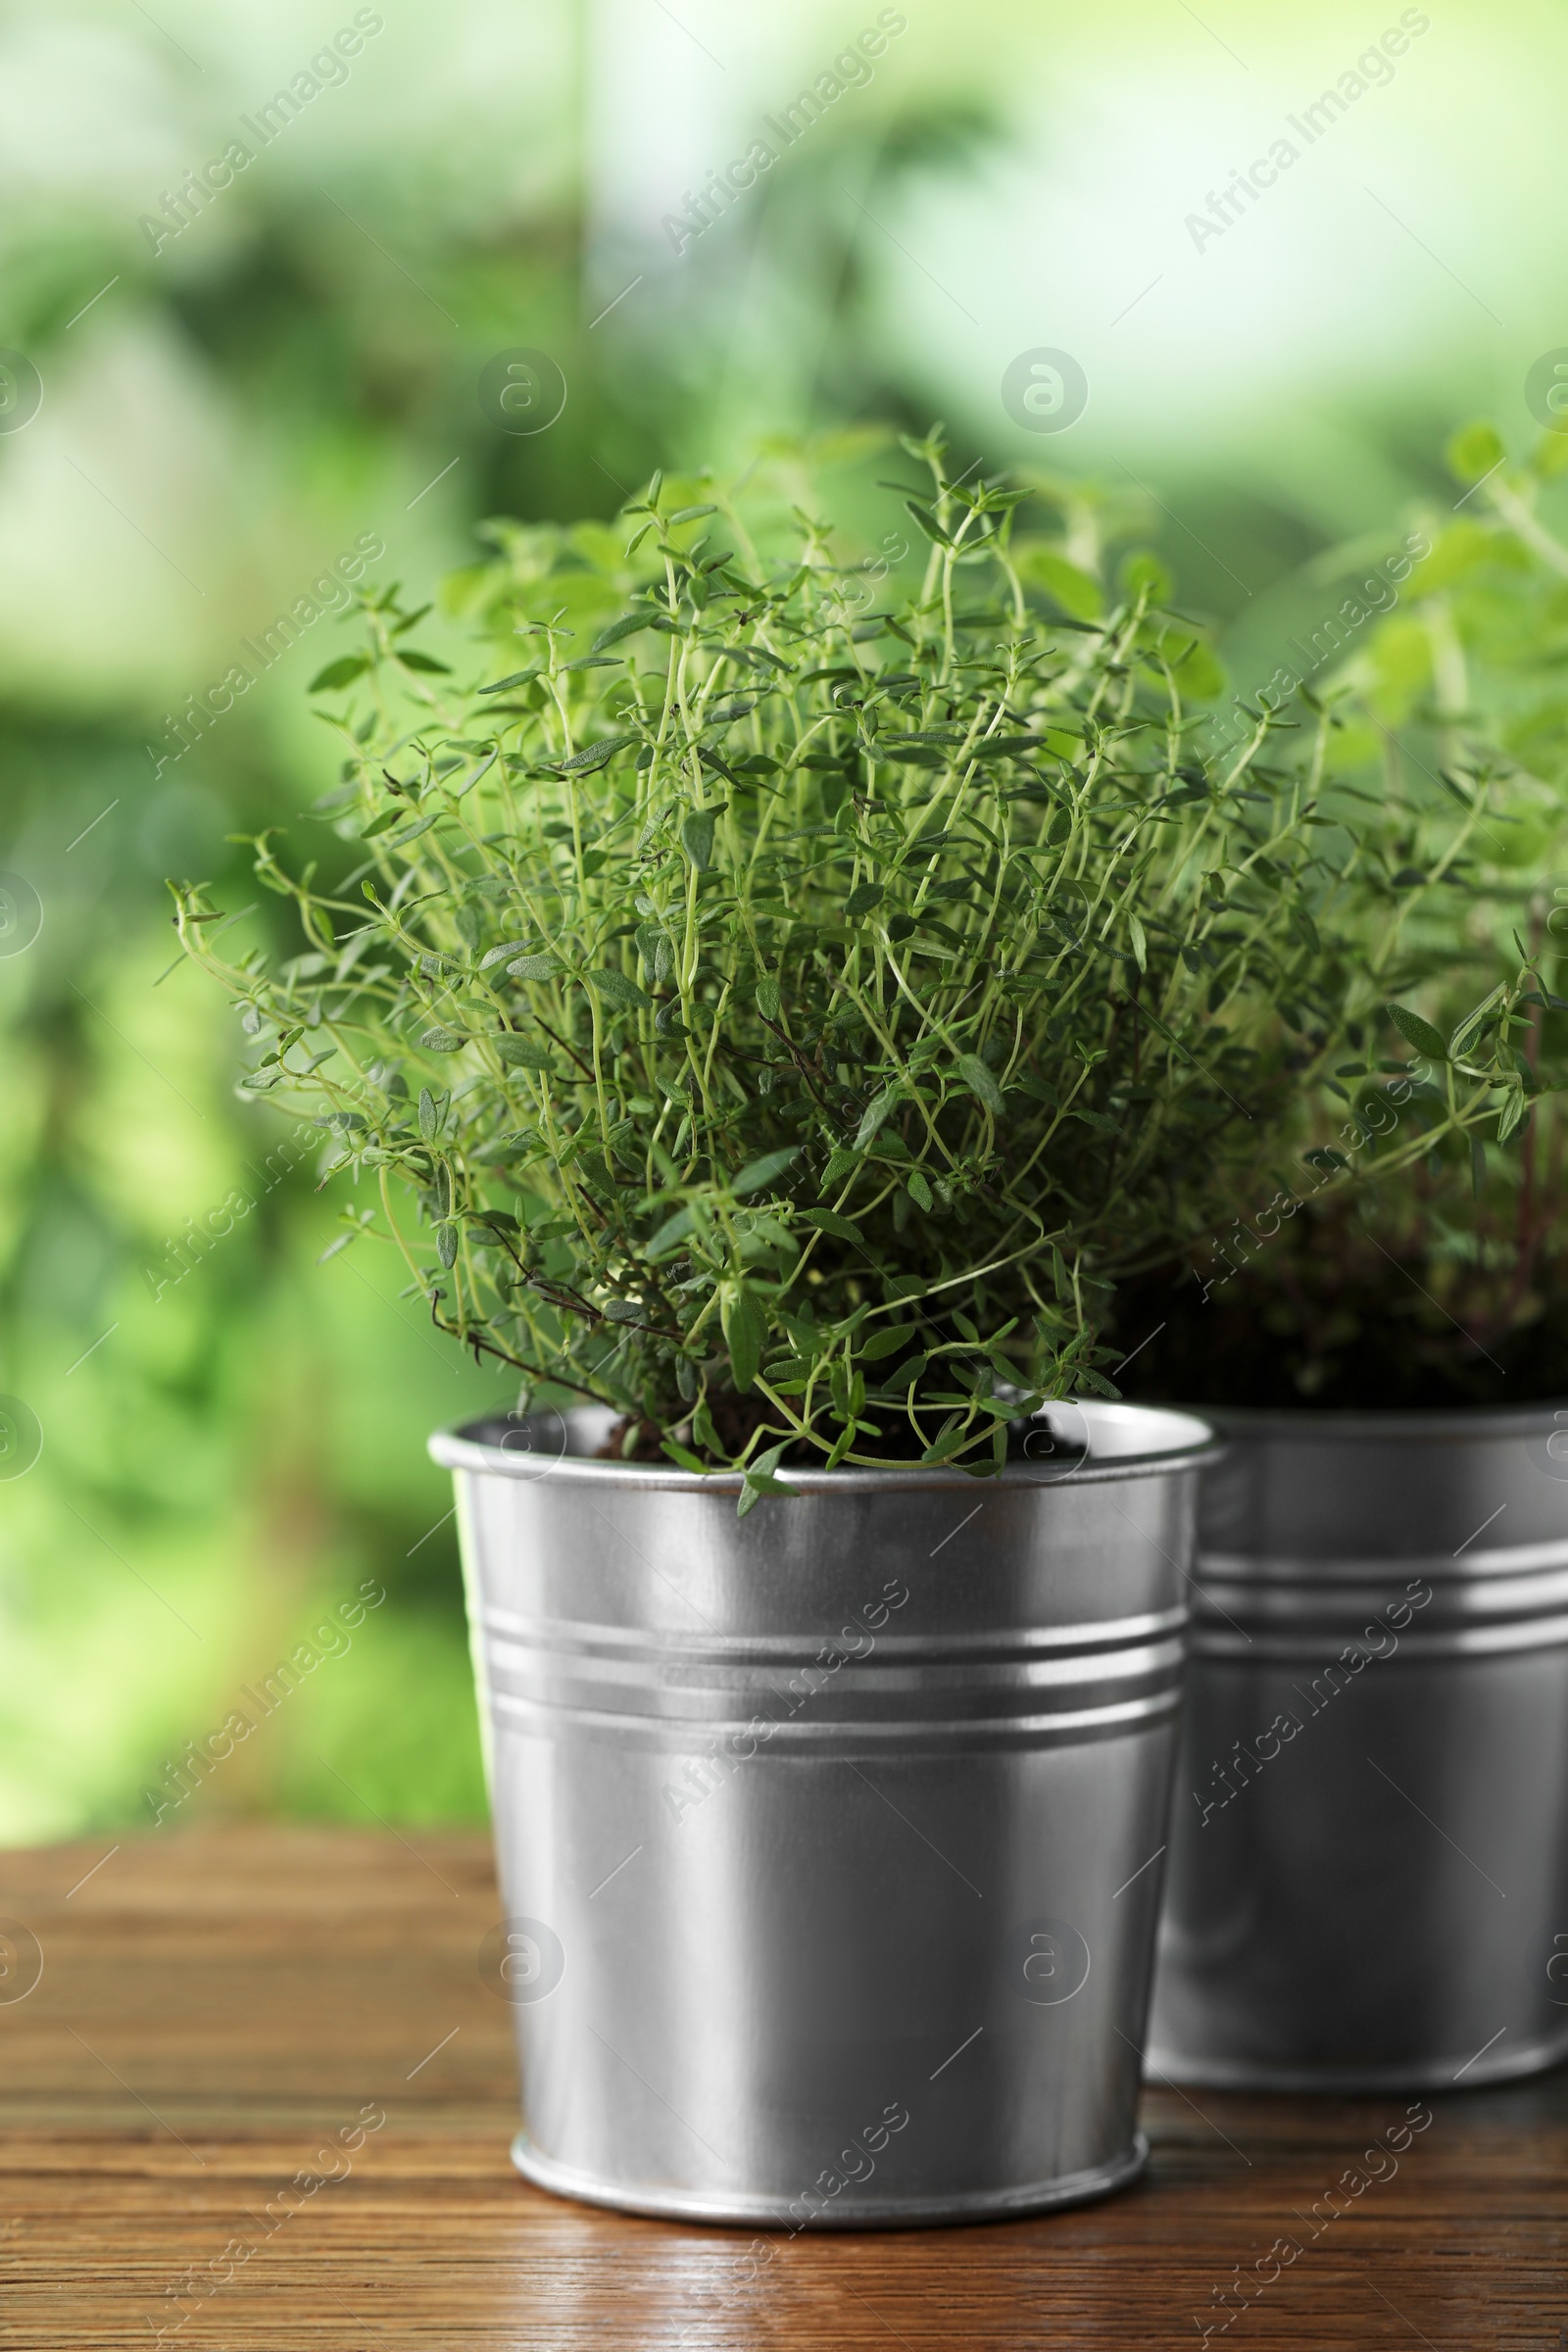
pixel 1369 1869
pixel 767 1008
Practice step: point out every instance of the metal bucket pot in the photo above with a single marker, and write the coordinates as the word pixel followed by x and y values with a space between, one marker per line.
pixel 1368 1881
pixel 828 1838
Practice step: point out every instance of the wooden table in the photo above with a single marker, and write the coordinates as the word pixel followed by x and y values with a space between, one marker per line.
pixel 219 2008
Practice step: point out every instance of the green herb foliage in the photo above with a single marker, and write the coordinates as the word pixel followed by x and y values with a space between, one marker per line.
pixel 1417 1259
pixel 783 1019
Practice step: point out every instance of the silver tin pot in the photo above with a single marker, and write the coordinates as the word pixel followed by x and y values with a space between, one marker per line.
pixel 828 1836
pixel 1368 1879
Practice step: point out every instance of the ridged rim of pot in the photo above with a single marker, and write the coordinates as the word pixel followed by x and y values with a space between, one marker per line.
pixel 1370 1424
pixel 1191 1443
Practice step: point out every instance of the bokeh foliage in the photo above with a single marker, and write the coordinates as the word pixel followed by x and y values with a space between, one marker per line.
pixel 225 415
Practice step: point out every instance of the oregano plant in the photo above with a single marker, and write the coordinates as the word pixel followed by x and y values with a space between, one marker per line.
pixel 779 998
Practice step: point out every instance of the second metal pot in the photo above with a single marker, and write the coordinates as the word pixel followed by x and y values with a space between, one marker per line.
pixel 1368 1880
pixel 829 1839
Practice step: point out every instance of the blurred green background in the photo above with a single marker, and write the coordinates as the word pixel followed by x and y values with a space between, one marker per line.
pixel 228 409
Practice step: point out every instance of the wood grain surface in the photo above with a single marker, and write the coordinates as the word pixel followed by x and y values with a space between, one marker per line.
pixel 221 2010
